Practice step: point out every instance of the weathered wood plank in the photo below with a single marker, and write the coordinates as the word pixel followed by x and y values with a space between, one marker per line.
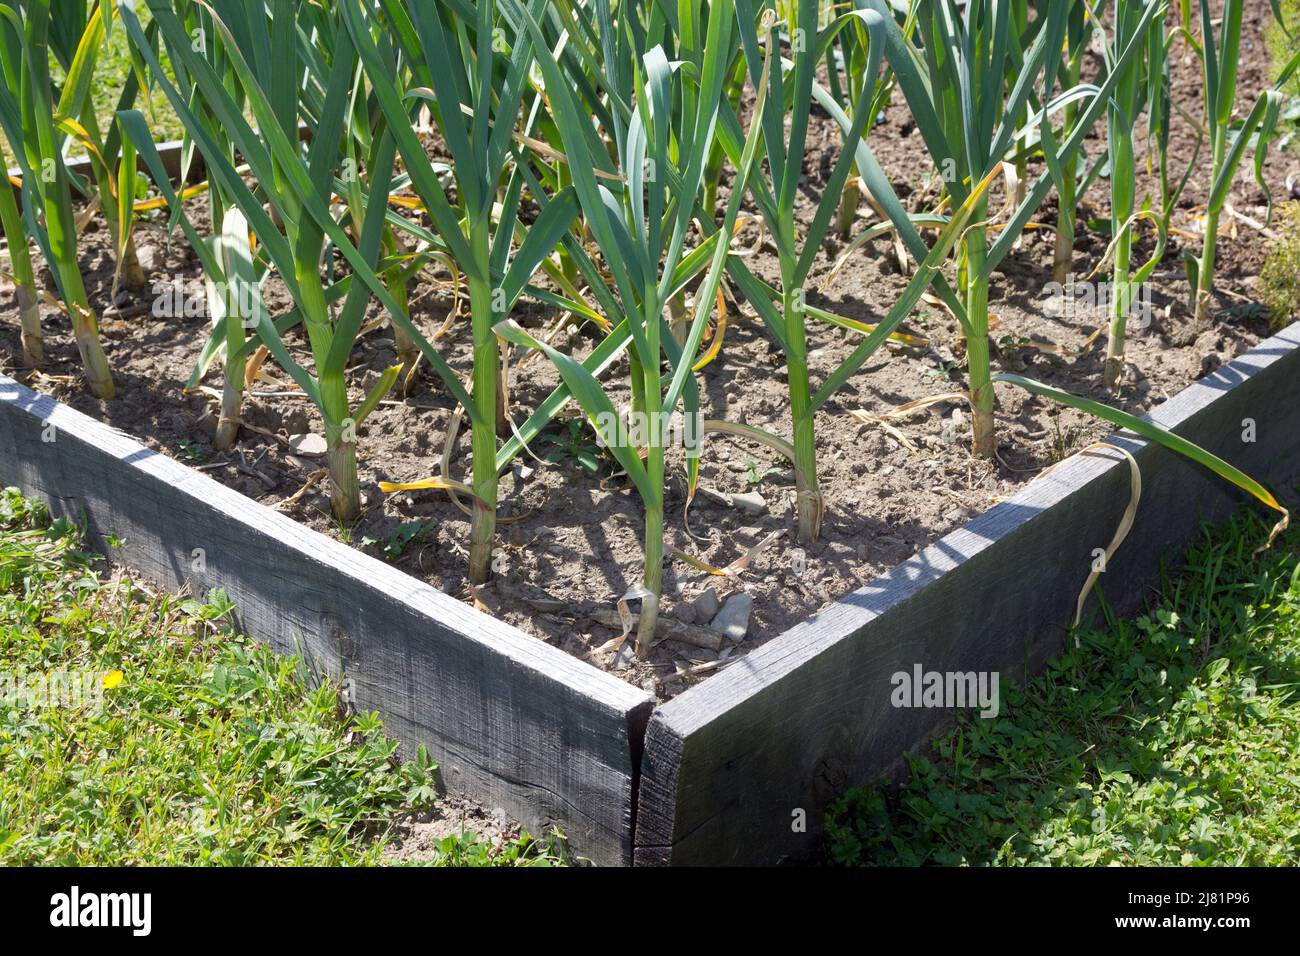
pixel 513 722
pixel 170 153
pixel 795 722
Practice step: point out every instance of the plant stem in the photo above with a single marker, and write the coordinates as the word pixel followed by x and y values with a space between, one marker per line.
pixel 408 354
pixel 232 403
pixel 232 394
pixel 712 177
pixel 345 490
pixel 20 264
pixel 849 202
pixel 637 379
pixel 652 580
pixel 1124 172
pixel 130 274
pixel 61 230
pixel 1063 258
pixel 335 410
pixel 400 289
pixel 483 435
pixel 85 328
pixel 1205 285
pixel 809 499
pixel 236 371
pixel 563 257
pixel 1121 296
pixel 33 339
pixel 975 252
pixel 1205 274
pixel 341 449
pixel 679 317
pixel 133 277
pixel 1022 175
pixel 1205 277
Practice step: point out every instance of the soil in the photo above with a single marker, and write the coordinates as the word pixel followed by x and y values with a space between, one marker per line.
pixel 570 539
pixel 417 839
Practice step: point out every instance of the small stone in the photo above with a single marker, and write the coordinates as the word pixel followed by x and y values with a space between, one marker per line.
pixel 733 619
pixel 717 497
pixel 749 502
pixel 685 613
pixel 309 445
pixel 150 258
pixel 706 605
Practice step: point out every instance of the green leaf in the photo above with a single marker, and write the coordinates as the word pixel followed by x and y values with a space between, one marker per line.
pixel 1153 432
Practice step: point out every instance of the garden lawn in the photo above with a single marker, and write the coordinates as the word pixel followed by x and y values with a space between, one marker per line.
pixel 114 67
pixel 1169 739
pixel 204 748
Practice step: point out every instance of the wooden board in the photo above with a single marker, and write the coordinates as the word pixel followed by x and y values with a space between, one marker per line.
pixel 170 154
pixel 732 765
pixel 513 722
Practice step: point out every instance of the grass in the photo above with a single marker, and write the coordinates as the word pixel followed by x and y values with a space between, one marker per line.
pixel 114 67
pixel 1279 279
pixel 1281 47
pixel 205 748
pixel 1169 739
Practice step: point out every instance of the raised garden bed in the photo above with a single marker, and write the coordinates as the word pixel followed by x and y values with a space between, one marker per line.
pixel 539 704
pixel 890 491
pixel 728 763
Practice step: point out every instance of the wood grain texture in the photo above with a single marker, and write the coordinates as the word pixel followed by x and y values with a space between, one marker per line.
pixel 513 722
pixel 792 724
pixel 170 153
